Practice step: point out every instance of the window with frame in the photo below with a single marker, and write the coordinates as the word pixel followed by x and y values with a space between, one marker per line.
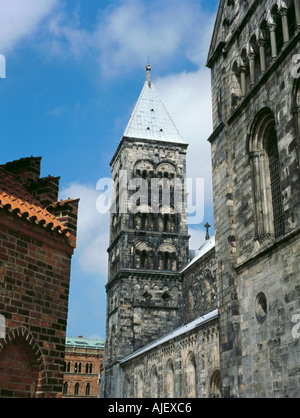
pixel 265 167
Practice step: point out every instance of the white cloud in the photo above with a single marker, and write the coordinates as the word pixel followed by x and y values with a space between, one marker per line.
pixel 19 19
pixel 160 31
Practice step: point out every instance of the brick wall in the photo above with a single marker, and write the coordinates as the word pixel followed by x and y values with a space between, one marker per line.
pixel 35 261
pixel 34 278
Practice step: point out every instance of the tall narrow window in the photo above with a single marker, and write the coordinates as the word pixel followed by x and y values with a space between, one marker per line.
pixel 170 382
pixel 65 388
pixel 265 164
pixel 274 167
pixel 191 376
pixel 76 392
pixel 88 389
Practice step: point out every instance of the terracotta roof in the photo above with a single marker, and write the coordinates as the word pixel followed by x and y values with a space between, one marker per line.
pixel 16 199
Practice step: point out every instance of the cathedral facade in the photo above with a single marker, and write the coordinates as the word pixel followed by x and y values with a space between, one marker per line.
pixel 221 322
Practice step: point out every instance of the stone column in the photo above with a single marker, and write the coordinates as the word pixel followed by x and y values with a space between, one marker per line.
pixel 262 54
pixel 243 80
pixel 272 27
pixel 251 57
pixel 285 25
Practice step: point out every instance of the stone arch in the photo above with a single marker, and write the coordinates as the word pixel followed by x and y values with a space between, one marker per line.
pixel 20 352
pixel 166 170
pixel 143 168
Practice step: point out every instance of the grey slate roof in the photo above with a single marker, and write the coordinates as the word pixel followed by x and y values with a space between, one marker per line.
pixel 150 119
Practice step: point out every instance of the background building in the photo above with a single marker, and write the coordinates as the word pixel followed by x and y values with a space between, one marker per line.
pixel 37 240
pixel 83 361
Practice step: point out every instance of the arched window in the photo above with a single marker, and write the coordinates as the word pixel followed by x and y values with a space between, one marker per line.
pixel 69 367
pixel 140 386
pixel 170 382
pixel 76 391
pixel 144 258
pixel 75 368
pixel 154 383
pixel 264 160
pixel 274 170
pixel 191 376
pixel 167 257
pixel 86 368
pixel 79 368
pixel 236 92
pixel 66 387
pixel 91 368
pixel 278 27
pixel 88 390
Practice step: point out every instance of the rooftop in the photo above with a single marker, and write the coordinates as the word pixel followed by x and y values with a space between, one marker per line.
pixel 177 333
pixel 204 249
pixel 80 342
pixel 16 199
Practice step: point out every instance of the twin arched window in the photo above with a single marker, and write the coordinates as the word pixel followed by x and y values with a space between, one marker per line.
pixel 165 258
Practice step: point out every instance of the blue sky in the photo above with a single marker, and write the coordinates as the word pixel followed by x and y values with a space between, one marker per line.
pixel 74 71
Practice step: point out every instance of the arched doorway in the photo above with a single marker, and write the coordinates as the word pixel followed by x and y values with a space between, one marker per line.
pixel 20 369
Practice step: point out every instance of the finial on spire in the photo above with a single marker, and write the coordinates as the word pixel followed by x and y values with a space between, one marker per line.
pixel 148 75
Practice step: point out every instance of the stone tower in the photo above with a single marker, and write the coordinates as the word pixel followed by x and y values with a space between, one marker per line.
pixel 148 234
pixel 255 158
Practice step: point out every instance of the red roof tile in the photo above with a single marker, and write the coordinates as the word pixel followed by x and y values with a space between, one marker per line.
pixel 15 198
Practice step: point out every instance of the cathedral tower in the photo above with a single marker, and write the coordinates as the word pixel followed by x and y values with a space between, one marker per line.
pixel 148 234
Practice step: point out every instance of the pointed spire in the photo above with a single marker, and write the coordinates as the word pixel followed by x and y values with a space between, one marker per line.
pixel 150 119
